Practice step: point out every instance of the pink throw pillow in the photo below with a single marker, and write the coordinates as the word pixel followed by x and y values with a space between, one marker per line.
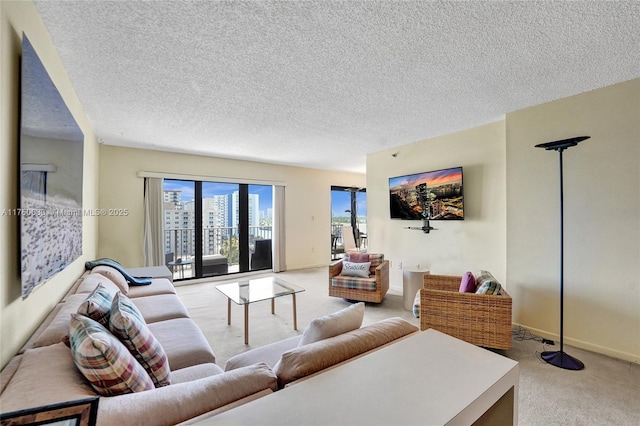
pixel 358 257
pixel 468 283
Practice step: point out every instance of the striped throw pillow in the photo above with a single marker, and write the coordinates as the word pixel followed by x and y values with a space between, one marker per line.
pixel 129 326
pixel 487 284
pixel 104 360
pixel 97 305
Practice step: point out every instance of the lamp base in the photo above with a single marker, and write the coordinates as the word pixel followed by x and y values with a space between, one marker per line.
pixel 562 360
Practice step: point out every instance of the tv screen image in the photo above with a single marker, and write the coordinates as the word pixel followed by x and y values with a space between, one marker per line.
pixel 435 195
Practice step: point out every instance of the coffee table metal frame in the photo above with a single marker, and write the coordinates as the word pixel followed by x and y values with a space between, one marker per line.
pixel 257 290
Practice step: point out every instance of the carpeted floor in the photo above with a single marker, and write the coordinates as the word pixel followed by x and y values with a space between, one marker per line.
pixel 606 392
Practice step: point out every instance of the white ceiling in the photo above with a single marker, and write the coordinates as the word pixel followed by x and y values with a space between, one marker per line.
pixel 322 83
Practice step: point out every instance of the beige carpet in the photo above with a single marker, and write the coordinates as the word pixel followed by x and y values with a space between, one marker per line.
pixel 606 392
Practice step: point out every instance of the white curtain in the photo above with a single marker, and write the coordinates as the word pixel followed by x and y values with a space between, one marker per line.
pixel 153 222
pixel 279 257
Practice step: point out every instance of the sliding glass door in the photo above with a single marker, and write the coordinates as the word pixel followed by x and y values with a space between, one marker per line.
pixel 348 220
pixel 216 228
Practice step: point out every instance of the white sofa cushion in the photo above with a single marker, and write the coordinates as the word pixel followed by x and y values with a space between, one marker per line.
pixel 58 330
pixel 157 286
pixel 183 342
pixel 347 319
pixel 41 369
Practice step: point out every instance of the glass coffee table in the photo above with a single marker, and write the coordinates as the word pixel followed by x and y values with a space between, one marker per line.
pixel 247 292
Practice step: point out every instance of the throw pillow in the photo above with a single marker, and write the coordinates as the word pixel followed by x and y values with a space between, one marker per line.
pixel 128 325
pixel 416 305
pixel 468 283
pixel 487 284
pixel 359 257
pixel 347 319
pixel 360 270
pixel 114 275
pixel 104 360
pixel 97 305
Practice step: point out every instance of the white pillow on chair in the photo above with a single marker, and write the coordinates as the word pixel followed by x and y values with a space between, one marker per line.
pixel 355 269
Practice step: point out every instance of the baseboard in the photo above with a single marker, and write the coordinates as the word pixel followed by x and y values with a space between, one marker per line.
pixel 317 265
pixel 625 356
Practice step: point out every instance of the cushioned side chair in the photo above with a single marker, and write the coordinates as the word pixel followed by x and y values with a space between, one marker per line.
pixel 480 319
pixel 371 289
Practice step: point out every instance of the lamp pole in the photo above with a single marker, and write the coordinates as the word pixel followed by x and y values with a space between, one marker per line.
pixel 560 358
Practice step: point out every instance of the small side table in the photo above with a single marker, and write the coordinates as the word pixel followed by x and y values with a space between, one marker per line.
pixel 411 282
pixel 181 263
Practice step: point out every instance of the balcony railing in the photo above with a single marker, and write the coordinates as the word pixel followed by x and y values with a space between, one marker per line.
pixel 179 243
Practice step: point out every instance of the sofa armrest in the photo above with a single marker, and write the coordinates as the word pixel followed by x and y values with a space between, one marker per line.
pixel 442 282
pixel 313 357
pixel 382 272
pixel 177 403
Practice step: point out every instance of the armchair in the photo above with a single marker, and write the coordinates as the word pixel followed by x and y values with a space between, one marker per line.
pixel 479 319
pixel 371 289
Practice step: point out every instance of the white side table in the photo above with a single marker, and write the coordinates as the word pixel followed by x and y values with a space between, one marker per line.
pixel 411 283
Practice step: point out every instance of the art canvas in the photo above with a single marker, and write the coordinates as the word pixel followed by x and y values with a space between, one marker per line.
pixel 51 154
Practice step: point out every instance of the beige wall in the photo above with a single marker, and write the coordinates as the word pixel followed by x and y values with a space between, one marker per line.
pixel 307 194
pixel 601 216
pixel 478 242
pixel 512 215
pixel 19 317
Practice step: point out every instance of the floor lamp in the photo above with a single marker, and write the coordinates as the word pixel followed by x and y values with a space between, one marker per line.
pixel 560 358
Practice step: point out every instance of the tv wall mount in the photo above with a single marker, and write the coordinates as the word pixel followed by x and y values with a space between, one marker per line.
pixel 426 228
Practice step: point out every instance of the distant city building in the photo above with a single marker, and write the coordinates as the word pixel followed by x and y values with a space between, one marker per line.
pixel 254 205
pixel 220 218
pixel 173 196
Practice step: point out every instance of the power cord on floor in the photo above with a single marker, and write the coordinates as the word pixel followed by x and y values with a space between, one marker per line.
pixel 521 334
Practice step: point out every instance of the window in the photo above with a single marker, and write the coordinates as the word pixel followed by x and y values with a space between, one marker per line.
pixel 225 227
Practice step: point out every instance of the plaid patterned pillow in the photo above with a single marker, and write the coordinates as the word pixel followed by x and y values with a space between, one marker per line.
pixel 129 326
pixel 487 284
pixel 104 360
pixel 97 305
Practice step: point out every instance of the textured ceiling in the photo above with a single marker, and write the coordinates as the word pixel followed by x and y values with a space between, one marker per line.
pixel 322 83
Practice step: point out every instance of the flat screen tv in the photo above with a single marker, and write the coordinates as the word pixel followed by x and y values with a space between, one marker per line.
pixel 436 195
pixel 51 153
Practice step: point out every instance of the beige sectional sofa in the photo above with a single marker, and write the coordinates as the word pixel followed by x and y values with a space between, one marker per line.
pixel 44 371
pixel 325 343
